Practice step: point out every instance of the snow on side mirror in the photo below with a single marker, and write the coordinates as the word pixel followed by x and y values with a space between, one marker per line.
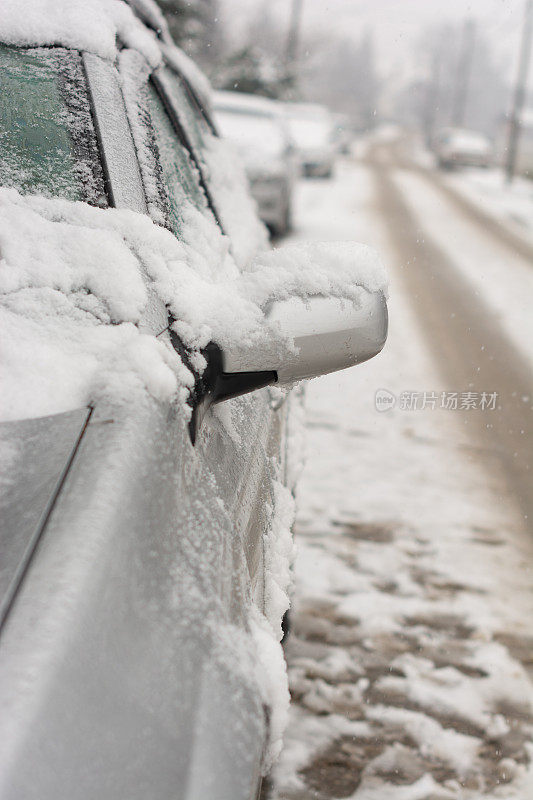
pixel 326 333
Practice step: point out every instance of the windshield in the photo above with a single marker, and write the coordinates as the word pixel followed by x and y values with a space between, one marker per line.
pixel 249 130
pixel 47 139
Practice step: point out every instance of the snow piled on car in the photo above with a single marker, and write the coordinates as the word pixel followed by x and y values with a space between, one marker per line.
pixel 76 284
pixel 89 25
pixel 77 287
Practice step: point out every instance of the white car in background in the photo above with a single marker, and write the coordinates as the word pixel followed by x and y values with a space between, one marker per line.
pixel 257 128
pixel 457 147
pixel 312 129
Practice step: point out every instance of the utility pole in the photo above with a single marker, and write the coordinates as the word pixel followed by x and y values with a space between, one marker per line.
pixel 464 67
pixel 291 51
pixel 433 91
pixel 520 92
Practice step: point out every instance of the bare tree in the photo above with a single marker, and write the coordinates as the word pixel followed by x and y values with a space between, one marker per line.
pixel 445 95
pixel 342 74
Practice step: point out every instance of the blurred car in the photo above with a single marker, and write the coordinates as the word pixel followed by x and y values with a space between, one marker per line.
pixel 312 131
pixel 256 127
pixel 456 147
pixel 138 597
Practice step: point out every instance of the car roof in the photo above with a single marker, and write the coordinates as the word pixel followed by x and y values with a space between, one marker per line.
pixel 241 101
pixel 100 27
pixel 92 26
pixel 307 110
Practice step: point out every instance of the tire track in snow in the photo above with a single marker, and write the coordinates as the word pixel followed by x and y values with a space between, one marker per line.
pixel 471 350
pixel 490 225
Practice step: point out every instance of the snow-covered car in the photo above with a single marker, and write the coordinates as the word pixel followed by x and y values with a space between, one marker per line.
pixel 456 147
pixel 147 450
pixel 257 129
pixel 312 130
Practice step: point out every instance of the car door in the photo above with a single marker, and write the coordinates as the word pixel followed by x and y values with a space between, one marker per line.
pixel 241 441
pixel 126 668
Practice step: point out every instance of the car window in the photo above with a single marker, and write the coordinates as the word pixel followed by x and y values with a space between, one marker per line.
pixel 194 124
pixel 48 143
pixel 222 174
pixel 180 176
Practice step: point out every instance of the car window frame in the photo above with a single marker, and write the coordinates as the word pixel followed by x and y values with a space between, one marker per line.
pixel 173 111
pixel 154 131
pixel 115 140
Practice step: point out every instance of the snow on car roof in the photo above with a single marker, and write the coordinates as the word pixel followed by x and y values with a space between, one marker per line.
pixel 95 26
pixel 151 14
pixel 250 103
pixel 90 25
pixel 307 110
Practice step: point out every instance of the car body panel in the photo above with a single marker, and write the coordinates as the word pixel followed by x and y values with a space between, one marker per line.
pixel 136 665
pixel 36 454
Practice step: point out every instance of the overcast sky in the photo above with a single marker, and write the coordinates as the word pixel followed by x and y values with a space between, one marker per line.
pixel 397 23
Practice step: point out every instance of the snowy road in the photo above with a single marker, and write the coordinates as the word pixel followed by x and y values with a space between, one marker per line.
pixel 411 641
pixel 474 294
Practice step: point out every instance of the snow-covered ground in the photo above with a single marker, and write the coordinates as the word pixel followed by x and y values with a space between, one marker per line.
pixel 504 279
pixel 414 594
pixel 488 188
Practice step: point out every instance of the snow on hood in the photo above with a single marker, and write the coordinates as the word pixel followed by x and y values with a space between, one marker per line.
pixel 89 25
pixel 75 281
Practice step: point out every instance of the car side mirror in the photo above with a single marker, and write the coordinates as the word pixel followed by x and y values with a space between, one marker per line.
pixel 328 333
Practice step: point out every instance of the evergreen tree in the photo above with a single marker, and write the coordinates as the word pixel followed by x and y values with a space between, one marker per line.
pixel 256 65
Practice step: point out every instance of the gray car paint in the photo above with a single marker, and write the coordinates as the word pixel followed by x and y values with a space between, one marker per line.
pixel 36 454
pixel 125 671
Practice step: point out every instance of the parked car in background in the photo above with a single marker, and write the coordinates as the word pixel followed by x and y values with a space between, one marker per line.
pixel 456 147
pixel 145 543
pixel 257 128
pixel 312 130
